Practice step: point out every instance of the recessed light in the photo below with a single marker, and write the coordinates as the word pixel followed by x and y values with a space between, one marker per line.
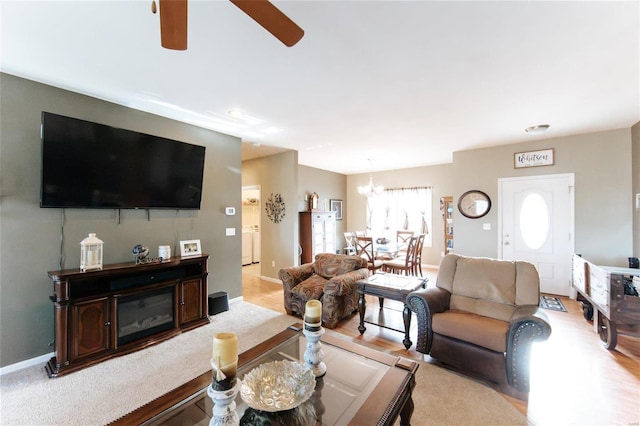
pixel 239 115
pixel 537 129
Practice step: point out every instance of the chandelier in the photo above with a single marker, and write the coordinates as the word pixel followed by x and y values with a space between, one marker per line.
pixel 370 189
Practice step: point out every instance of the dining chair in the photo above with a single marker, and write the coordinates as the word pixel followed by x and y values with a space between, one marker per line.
pixel 350 238
pixel 403 264
pixel 364 245
pixel 417 259
pixel 402 238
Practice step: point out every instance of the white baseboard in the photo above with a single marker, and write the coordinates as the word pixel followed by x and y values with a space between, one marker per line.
pixel 236 299
pixel 26 363
pixel 273 280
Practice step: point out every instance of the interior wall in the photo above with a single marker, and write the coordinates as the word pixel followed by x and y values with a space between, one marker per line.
pixel 276 174
pixel 30 237
pixel 439 177
pixel 328 186
pixel 635 196
pixel 601 163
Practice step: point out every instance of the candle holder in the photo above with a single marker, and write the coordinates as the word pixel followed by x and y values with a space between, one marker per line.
pixel 224 405
pixel 313 355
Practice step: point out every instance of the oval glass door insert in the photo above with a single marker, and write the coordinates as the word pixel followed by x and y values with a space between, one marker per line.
pixel 534 221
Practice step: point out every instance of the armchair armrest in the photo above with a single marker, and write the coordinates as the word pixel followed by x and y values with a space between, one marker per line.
pixel 345 283
pixel 425 303
pixel 294 275
pixel 527 325
pixel 532 314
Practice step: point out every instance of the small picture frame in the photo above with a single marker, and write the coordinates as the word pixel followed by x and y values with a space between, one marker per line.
pixel 336 206
pixel 190 248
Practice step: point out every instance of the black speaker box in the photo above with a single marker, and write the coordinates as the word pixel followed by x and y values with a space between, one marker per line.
pixel 218 302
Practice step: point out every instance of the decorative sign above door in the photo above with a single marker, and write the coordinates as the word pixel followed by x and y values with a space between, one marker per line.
pixel 533 158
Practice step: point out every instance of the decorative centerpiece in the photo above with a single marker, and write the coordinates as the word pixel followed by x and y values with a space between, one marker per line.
pixel 140 253
pixel 91 253
pixel 277 386
pixel 313 331
pixel 224 385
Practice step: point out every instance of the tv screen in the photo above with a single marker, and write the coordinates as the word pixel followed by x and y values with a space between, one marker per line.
pixel 91 165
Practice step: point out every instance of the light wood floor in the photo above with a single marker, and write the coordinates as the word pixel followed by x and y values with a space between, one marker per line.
pixel 574 380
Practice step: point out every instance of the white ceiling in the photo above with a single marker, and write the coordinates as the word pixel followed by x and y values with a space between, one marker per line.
pixel 373 85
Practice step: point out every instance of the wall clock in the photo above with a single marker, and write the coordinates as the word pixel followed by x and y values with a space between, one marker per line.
pixel 474 204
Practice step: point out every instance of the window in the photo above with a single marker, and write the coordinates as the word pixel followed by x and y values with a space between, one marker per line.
pixel 400 209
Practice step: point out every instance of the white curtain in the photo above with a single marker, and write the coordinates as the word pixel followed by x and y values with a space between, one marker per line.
pixel 401 209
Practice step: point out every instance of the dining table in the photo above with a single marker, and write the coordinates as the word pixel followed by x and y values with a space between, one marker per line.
pixel 389 249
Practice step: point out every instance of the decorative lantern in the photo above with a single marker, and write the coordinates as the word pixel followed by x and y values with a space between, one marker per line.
pixel 91 253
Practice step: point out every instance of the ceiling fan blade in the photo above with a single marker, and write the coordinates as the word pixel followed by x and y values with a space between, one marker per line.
pixel 272 20
pixel 173 24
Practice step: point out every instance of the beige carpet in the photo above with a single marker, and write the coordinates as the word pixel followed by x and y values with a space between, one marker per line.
pixel 104 392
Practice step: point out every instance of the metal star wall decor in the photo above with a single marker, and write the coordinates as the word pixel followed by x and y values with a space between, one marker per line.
pixel 275 208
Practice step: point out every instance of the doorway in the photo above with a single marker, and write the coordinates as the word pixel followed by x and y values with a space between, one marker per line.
pixel 251 241
pixel 536 224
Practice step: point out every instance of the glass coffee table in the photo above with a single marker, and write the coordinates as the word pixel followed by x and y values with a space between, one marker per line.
pixel 393 287
pixel 362 385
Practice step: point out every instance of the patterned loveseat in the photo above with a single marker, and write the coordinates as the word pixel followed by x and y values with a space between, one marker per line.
pixel 331 279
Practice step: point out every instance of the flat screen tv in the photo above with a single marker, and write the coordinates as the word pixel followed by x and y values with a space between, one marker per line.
pixel 91 165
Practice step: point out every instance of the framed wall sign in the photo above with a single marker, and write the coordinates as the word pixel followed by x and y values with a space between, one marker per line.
pixel 336 206
pixel 190 248
pixel 543 157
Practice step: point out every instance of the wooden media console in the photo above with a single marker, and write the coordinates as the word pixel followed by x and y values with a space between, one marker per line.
pixel 124 308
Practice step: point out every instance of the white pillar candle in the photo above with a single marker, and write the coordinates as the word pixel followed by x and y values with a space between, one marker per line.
pixel 313 312
pixel 225 353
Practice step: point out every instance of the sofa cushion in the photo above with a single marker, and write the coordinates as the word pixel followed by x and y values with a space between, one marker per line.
pixel 311 288
pixel 483 331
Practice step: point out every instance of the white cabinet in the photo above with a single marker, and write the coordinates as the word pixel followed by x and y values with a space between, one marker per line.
pixel 317 234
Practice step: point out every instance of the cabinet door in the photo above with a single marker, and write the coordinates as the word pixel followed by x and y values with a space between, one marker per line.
pixel 317 236
pixel 90 328
pixel 191 300
pixel 330 234
pixel 324 233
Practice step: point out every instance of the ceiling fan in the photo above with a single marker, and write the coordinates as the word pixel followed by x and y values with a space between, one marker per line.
pixel 173 21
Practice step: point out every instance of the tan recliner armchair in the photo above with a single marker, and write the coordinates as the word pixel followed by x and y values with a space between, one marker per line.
pixel 482 317
pixel 331 279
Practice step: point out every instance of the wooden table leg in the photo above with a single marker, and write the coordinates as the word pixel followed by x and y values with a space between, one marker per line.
pixel 406 316
pixel 407 411
pixel 362 307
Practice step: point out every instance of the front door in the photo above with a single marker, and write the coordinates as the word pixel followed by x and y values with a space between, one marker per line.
pixel 537 225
